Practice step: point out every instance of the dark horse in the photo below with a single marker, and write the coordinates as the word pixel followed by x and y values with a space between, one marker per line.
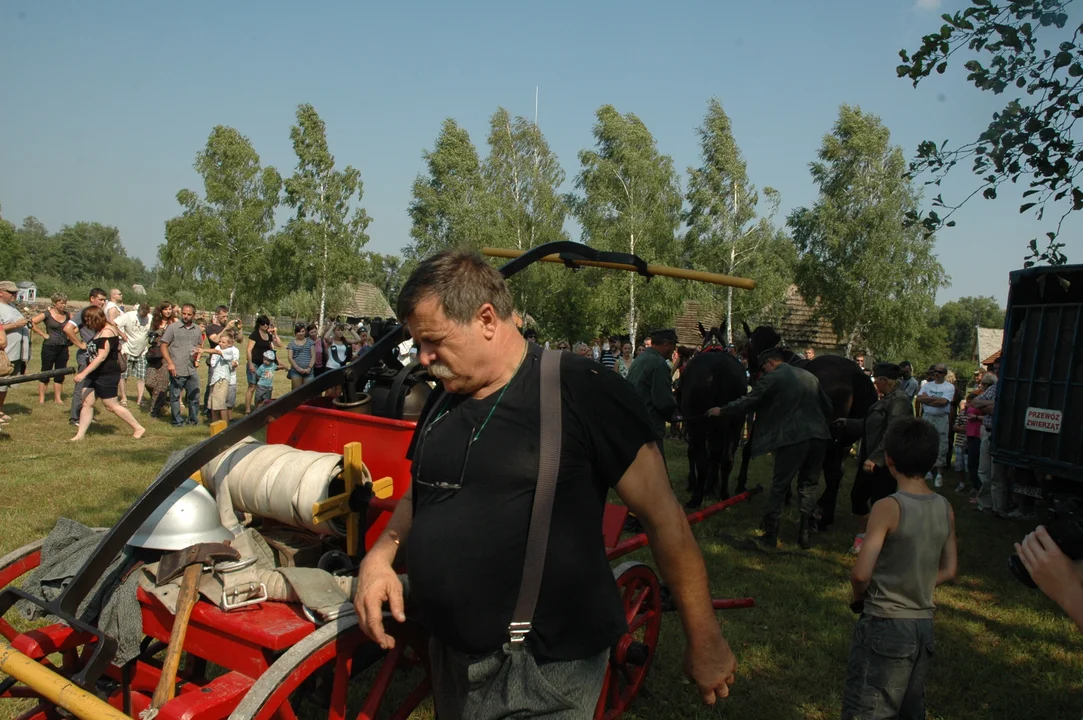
pixel 850 391
pixel 712 378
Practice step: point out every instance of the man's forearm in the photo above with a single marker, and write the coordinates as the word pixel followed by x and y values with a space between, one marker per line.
pixel 681 566
pixel 860 588
pixel 165 354
pixel 387 545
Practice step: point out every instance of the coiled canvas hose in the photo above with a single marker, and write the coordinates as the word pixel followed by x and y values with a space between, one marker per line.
pixel 274 481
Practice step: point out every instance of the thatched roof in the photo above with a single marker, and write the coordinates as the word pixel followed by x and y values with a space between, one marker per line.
pixel 987 342
pixel 693 312
pixel 800 327
pixel 368 301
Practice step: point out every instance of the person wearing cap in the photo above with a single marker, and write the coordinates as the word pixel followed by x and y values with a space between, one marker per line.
pixel 874 480
pixel 652 378
pixel 792 416
pixel 265 374
pixel 936 398
pixel 15 326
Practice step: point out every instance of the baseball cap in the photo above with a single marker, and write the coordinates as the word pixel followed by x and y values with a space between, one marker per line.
pixel 269 355
pixel 9 286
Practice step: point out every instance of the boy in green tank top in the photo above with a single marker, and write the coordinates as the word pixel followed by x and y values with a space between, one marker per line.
pixel 909 549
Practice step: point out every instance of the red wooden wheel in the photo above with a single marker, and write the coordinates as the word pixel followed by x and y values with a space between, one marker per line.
pixel 631 657
pixel 13 566
pixel 313 678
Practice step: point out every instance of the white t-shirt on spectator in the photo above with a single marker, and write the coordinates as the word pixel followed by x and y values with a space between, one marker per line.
pixel 937 390
pixel 9 314
pixel 136 329
pixel 222 365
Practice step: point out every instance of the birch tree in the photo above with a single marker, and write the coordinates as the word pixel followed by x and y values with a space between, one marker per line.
pixel 328 225
pixel 222 237
pixel 450 205
pixel 522 178
pixel 725 233
pixel 870 273
pixel 631 203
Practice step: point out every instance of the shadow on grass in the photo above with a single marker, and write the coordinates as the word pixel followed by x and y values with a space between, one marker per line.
pixel 14 408
pixel 1003 651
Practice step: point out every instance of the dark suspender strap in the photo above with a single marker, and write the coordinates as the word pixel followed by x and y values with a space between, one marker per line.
pixel 542 511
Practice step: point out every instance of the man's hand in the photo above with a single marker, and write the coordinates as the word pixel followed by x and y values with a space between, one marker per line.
pixel 714 412
pixel 172 369
pixel 1051 570
pixel 710 664
pixel 377 583
pixel 869 466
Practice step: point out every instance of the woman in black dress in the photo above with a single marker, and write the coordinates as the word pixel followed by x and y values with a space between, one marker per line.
pixel 262 339
pixel 102 374
pixel 54 351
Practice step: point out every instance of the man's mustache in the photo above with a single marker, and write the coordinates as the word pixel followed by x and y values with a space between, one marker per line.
pixel 440 371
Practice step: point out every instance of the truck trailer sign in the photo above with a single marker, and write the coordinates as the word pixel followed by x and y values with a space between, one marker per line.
pixel 1043 420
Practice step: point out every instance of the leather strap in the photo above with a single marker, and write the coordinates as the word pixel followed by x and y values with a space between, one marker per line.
pixel 542 511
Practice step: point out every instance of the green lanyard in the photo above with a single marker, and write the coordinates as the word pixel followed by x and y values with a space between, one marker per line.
pixel 495 405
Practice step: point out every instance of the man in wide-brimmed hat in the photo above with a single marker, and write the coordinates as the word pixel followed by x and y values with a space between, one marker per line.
pixel 792 412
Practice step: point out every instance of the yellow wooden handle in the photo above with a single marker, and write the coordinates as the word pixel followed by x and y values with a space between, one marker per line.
pixel 662 270
pixel 55 688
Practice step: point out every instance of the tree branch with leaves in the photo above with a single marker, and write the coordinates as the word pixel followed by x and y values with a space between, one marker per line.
pixel 1029 139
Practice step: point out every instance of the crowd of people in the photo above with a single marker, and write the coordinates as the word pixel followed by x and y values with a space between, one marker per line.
pixel 161 348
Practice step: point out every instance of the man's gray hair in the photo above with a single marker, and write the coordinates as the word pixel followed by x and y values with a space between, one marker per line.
pixel 462 281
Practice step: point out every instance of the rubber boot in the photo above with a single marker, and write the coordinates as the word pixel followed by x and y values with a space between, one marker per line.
pixel 769 539
pixel 803 535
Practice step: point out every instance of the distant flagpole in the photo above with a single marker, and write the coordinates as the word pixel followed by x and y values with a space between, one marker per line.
pixel 535 106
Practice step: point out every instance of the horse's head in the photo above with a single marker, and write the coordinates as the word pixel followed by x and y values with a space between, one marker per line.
pixel 712 336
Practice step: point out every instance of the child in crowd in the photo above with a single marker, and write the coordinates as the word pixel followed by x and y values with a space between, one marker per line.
pixel 909 549
pixel 266 377
pixel 223 364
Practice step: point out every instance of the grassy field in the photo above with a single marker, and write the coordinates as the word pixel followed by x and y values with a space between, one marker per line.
pixel 1003 650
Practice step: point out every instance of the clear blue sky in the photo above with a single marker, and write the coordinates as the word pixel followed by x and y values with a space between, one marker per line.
pixel 104 105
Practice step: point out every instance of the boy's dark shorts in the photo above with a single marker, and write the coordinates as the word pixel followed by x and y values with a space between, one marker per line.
pixel 885 676
pixel 263 394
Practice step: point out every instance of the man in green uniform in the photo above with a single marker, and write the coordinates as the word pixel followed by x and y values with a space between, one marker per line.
pixel 652 378
pixel 792 413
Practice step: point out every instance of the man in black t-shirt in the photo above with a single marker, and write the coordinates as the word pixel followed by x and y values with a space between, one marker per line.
pixel 463 524
pixel 219 321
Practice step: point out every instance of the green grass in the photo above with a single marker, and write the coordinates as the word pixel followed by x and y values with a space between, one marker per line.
pixel 1003 650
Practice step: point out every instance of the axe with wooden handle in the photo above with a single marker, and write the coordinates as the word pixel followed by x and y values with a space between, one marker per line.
pixel 190 562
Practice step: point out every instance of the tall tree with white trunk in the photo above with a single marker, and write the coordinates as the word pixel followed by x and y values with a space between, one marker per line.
pixel 328 226
pixel 871 273
pixel 522 178
pixel 725 232
pixel 631 203
pixel 222 237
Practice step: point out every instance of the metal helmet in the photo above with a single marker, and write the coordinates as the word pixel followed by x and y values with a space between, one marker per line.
pixel 187 517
